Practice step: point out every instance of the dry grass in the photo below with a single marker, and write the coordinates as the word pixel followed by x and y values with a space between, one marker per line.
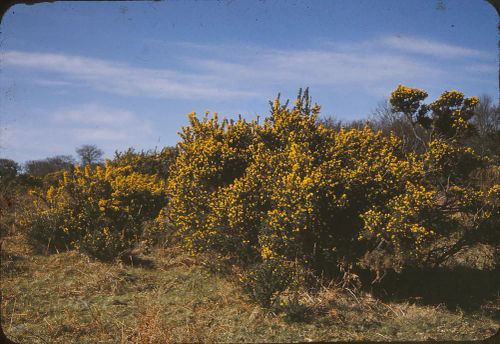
pixel 68 297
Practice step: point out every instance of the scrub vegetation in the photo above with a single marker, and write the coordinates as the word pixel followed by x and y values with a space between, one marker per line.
pixel 288 228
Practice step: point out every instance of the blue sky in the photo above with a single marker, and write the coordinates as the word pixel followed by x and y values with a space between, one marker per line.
pixel 122 74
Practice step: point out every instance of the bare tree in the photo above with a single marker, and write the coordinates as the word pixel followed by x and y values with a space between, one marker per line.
pixel 40 168
pixel 8 169
pixel 89 154
pixel 389 121
pixel 486 121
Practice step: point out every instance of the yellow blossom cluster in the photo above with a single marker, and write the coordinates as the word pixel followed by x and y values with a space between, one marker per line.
pixel 448 115
pixel 100 209
pixel 407 99
pixel 287 188
pixel 292 188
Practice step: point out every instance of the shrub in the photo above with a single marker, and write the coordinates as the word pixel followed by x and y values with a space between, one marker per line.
pixel 299 191
pixel 265 281
pixel 293 188
pixel 101 211
pixel 213 156
pixel 46 226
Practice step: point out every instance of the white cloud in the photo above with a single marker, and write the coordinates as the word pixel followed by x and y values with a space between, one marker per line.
pixel 429 47
pixel 338 63
pixel 121 78
pixel 227 72
pixel 323 67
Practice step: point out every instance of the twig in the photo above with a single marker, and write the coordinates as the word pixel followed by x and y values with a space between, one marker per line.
pixel 355 298
pixel 390 309
pixel 50 326
pixel 381 335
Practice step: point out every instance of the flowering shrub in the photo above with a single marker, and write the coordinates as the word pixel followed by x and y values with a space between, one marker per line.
pixel 292 188
pixel 100 211
pixel 213 156
pixel 448 115
pixel 450 202
pixel 289 189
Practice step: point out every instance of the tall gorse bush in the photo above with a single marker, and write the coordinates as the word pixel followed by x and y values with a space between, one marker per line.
pixel 213 157
pixel 292 189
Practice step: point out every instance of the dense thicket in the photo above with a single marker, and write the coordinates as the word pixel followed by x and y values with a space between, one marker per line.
pixel 293 190
pixel 297 189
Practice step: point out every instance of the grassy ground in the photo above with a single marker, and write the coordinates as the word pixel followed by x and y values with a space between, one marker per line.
pixel 68 297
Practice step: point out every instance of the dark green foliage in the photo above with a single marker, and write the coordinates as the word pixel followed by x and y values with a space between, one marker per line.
pixel 266 280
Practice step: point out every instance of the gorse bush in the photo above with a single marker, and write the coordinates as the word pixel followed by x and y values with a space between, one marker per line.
pixel 291 188
pixel 101 210
pixel 213 158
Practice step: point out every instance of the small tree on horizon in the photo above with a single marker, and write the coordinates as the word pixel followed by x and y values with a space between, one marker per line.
pixel 89 154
